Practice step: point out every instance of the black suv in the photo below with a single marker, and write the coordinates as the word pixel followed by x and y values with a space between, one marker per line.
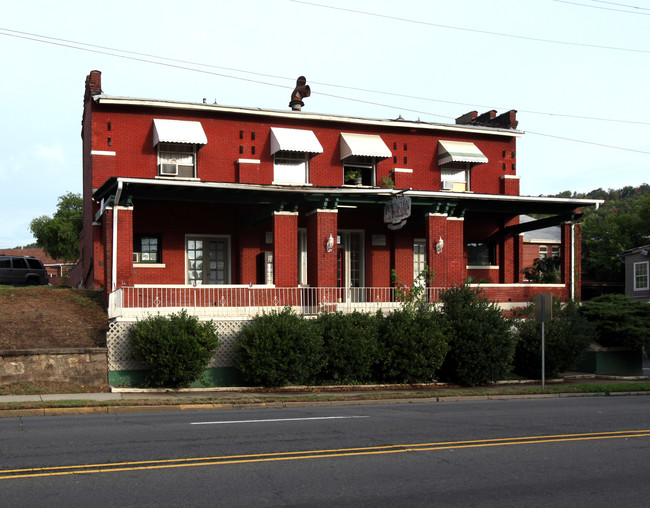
pixel 20 270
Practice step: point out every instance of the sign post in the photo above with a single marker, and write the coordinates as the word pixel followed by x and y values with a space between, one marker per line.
pixel 543 313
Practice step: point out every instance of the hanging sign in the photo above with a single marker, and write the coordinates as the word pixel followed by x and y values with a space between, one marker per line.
pixel 396 211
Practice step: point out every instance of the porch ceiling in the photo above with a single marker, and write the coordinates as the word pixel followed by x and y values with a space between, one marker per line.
pixel 293 198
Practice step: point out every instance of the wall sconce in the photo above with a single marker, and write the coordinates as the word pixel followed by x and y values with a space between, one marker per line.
pixel 330 243
pixel 440 245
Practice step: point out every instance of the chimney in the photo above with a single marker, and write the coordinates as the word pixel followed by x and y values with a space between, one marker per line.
pixel 467 118
pixel 507 120
pixel 301 91
pixel 93 84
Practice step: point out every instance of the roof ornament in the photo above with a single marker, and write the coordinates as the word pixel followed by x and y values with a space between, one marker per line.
pixel 301 91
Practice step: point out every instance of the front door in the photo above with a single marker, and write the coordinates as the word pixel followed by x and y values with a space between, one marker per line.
pixel 207 261
pixel 350 266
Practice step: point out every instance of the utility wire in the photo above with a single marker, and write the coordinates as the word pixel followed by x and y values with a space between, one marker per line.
pixel 472 30
pixel 182 67
pixel 603 8
pixel 37 37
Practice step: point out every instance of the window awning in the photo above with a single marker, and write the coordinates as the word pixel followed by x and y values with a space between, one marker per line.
pixel 178 131
pixel 365 145
pixel 458 151
pixel 294 140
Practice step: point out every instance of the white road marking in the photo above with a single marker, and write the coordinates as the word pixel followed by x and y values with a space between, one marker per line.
pixel 279 420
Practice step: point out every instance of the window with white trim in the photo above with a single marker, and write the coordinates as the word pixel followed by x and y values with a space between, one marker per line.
pixel 543 252
pixel 177 160
pixel 641 276
pixel 147 249
pixel 291 167
pixel 419 257
pixel 555 251
pixel 455 177
pixel 481 254
pixel 359 170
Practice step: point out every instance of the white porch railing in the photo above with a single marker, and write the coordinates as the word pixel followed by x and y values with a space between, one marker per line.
pixel 248 301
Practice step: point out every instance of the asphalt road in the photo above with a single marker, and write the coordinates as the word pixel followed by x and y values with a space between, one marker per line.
pixel 590 451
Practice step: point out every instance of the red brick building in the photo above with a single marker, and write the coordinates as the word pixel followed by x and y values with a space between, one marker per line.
pixel 215 207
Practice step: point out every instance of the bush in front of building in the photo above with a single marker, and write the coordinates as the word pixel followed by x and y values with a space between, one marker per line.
pixel 176 350
pixel 620 321
pixel 280 348
pixel 412 346
pixel 481 342
pixel 350 343
pixel 566 336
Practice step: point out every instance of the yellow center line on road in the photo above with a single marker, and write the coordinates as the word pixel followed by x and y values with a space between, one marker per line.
pixel 309 454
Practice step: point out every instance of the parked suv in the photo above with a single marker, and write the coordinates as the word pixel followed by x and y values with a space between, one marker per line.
pixel 19 270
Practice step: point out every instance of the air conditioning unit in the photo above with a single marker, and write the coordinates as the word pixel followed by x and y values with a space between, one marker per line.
pixel 447 185
pixel 168 169
pixel 136 257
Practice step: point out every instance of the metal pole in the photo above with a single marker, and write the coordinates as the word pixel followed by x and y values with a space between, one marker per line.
pixel 543 305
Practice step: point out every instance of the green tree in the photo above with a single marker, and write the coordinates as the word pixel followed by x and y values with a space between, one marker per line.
pixel 59 235
pixel 621 223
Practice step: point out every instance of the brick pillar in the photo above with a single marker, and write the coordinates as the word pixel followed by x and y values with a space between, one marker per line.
pixel 403 257
pixel 520 258
pixel 321 264
pixel 378 261
pixel 107 255
pixel 285 249
pixel 124 246
pixel 436 228
pixel 455 247
pixel 507 262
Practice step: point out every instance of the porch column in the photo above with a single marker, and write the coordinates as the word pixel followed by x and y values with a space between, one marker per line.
pixel 455 247
pixel 285 249
pixel 507 255
pixel 570 256
pixel 322 264
pixel 436 226
pixel 124 258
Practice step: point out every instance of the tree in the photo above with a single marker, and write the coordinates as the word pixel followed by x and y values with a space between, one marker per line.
pixel 621 223
pixel 59 235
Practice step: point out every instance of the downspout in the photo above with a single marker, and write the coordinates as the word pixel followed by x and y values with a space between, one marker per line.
pixel 118 195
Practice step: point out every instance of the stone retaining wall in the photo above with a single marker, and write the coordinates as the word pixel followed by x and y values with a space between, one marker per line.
pixel 82 366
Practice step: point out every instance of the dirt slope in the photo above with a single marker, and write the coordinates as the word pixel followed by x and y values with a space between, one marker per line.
pixel 51 317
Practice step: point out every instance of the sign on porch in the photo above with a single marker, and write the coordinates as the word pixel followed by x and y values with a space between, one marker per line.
pixel 396 211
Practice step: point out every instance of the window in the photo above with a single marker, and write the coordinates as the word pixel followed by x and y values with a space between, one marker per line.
pixel 290 167
pixel 359 170
pixel 641 276
pixel 555 251
pixel 455 179
pixel 481 254
pixel 419 257
pixel 147 249
pixel 177 160
pixel 543 252
pixel 302 257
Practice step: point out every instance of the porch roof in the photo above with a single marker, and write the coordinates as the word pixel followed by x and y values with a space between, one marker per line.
pixel 278 197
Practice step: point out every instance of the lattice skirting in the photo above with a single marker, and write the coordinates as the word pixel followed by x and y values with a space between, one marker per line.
pixel 119 348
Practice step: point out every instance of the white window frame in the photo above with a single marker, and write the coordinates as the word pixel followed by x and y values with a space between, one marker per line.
pixel 173 154
pixel 285 167
pixel 555 251
pixel 456 177
pixel 302 257
pixel 419 265
pixel 365 165
pixel 636 275
pixel 542 252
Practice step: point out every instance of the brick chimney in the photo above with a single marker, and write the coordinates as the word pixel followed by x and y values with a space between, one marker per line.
pixel 467 118
pixel 93 84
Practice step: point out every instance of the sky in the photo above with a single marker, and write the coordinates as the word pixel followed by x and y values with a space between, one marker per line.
pixel 577 72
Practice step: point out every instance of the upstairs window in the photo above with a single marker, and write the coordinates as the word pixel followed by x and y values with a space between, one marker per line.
pixel 359 170
pixel 360 154
pixel 292 150
pixel 456 160
pixel 178 160
pixel 543 252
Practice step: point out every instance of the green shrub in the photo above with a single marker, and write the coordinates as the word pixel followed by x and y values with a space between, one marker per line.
pixel 566 336
pixel 620 321
pixel 278 349
pixel 350 346
pixel 175 349
pixel 481 342
pixel 412 346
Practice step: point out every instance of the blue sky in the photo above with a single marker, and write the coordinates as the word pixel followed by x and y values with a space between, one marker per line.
pixel 577 71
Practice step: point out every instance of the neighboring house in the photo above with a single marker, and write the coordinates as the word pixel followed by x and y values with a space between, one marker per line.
pixel 57 269
pixel 540 243
pixel 637 272
pixel 233 210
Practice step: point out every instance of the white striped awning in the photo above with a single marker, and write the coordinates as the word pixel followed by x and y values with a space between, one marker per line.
pixel 294 140
pixel 364 145
pixel 458 151
pixel 178 131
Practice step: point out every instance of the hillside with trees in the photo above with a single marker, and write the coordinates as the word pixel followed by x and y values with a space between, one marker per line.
pixel 621 223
